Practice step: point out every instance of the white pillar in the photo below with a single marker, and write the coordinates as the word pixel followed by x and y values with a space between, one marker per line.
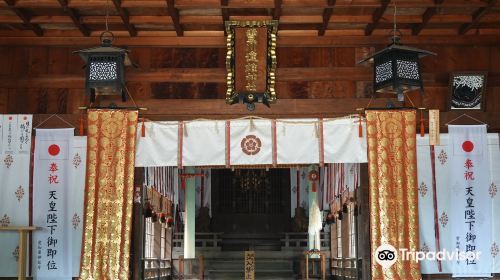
pixel 189 218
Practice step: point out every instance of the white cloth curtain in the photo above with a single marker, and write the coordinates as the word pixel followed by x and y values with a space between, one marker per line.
pixel 251 142
pixel 159 146
pixel 203 143
pixel 297 141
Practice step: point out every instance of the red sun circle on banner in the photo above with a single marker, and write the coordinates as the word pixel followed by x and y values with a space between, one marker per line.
pixel 54 150
pixel 467 146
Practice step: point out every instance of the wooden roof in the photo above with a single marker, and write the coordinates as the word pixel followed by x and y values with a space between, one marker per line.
pixel 201 22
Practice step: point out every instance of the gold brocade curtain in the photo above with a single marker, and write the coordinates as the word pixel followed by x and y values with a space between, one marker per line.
pixel 109 194
pixel 393 188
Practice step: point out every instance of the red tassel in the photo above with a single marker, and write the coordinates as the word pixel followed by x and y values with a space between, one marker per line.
pixel 422 127
pixel 360 128
pixel 143 129
pixel 81 125
pixel 314 187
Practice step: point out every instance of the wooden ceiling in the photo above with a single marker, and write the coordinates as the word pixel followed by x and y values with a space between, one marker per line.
pixel 201 22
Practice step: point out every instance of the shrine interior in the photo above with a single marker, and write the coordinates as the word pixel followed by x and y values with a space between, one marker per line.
pixel 249 139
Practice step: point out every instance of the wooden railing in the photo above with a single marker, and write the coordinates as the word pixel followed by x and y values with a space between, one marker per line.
pixel 156 268
pixel 202 239
pixel 299 240
pixel 190 268
pixel 345 268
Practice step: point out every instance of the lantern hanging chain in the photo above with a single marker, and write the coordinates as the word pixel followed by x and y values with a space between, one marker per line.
pixel 107 15
pixel 131 97
pixel 394 24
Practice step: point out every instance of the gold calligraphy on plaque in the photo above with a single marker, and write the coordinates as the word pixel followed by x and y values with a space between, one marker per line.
pixel 251 60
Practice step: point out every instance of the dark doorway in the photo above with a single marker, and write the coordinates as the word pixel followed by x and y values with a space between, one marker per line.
pixel 251 204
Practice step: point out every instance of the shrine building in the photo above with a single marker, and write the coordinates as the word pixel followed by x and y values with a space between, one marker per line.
pixel 249 139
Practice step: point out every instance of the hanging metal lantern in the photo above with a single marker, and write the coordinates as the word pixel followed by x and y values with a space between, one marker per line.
pixel 104 73
pixel 396 69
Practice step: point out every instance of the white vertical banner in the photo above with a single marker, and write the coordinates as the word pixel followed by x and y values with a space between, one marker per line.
pixel 426 205
pixel 469 181
pixel 493 190
pixel 15 147
pixel 77 171
pixel 52 187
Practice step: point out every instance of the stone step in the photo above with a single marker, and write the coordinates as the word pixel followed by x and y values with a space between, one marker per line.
pixel 239 274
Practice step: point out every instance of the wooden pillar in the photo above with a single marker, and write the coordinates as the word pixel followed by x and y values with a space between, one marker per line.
pixel 23 237
pixel 307 267
pixel 363 230
pixel 137 250
pixel 201 267
pixel 323 267
pixel 181 267
pixel 21 262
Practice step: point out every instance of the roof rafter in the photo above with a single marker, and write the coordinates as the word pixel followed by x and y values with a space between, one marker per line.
pixel 426 17
pixel 277 9
pixel 125 17
pixel 224 9
pixel 327 14
pixel 73 14
pixel 174 14
pixel 476 17
pixel 377 15
pixel 24 17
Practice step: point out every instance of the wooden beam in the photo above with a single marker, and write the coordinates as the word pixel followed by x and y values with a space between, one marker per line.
pixel 377 15
pixel 218 75
pixel 182 108
pixel 426 17
pixel 174 14
pixel 216 20
pixel 327 14
pixel 476 17
pixel 125 18
pixel 73 14
pixel 189 109
pixel 190 4
pixel 277 9
pixel 24 17
pixel 219 41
